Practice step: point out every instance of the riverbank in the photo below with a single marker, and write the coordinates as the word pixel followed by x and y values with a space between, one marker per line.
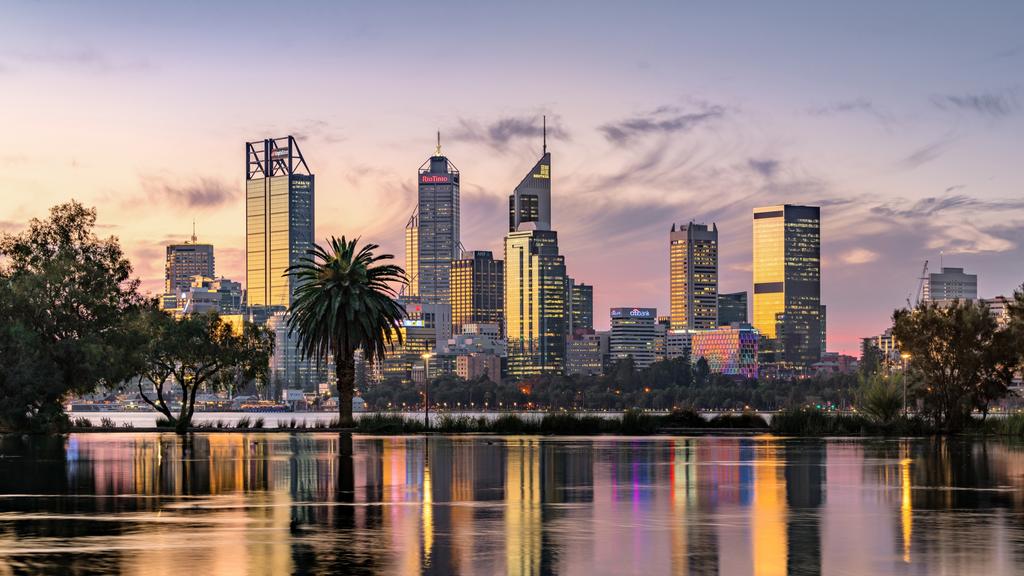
pixel 808 423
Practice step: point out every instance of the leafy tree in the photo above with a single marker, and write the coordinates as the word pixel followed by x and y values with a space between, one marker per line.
pixel 871 362
pixel 197 352
pixel 65 295
pixel 345 301
pixel 965 361
pixel 701 370
pixel 881 398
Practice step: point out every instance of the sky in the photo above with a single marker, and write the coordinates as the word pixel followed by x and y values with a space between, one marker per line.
pixel 903 121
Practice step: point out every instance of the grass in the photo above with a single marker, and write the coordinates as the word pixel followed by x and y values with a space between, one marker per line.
pixel 817 423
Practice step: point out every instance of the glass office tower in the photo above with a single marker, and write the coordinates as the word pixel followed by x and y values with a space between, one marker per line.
pixel 534 303
pixel 412 255
pixel 478 291
pixel 531 200
pixel 787 282
pixel 438 227
pixel 279 201
pixel 581 306
pixel 693 277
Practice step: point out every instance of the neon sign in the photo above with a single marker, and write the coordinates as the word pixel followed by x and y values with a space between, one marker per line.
pixel 633 312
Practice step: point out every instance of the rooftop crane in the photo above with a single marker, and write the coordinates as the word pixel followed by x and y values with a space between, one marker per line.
pixel 920 283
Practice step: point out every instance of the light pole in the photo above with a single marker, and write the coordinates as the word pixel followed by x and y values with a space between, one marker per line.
pixel 426 390
pixel 905 356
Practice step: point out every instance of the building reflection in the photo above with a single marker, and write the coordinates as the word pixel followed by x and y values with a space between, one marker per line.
pixel 264 503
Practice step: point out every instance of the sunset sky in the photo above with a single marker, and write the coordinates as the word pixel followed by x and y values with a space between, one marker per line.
pixel 903 121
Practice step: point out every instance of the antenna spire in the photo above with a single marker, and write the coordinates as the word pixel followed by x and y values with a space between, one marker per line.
pixel 544 131
pixel 438 151
pixel 193 231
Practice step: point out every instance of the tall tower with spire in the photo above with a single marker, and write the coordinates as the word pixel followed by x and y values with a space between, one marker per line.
pixel 536 323
pixel 184 261
pixel 531 199
pixel 437 227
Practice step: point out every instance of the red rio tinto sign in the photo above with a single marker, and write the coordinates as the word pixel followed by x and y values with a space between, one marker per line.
pixel 433 179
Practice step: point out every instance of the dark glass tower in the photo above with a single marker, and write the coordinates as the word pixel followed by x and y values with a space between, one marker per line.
pixel 279 201
pixel 478 291
pixel 438 227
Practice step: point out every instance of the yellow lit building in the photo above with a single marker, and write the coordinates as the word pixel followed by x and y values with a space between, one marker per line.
pixel 279 219
pixel 412 255
pixel 535 303
pixel 693 277
pixel 787 282
pixel 477 290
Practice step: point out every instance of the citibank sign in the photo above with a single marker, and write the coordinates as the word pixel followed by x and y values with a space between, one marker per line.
pixel 433 179
pixel 634 312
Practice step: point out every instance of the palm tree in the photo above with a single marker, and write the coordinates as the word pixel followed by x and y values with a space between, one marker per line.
pixel 344 302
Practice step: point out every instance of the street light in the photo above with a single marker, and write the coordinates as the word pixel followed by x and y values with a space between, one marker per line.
pixel 905 356
pixel 426 390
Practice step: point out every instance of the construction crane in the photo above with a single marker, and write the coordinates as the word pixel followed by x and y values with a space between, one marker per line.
pixel 920 283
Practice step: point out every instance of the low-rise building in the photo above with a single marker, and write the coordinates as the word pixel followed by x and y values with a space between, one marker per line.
pixel 729 350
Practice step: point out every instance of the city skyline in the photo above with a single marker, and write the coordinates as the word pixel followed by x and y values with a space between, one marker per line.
pixel 905 158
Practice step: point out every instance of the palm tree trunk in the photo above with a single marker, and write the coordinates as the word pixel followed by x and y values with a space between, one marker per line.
pixel 345 371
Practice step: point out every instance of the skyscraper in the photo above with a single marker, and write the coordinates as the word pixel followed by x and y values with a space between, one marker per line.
pixel 581 306
pixel 182 263
pixel 693 276
pixel 787 282
pixel 412 255
pixel 534 303
pixel 732 307
pixel 950 284
pixel 531 200
pixel 438 227
pixel 279 207
pixel 477 290
pixel 536 294
pixel 634 334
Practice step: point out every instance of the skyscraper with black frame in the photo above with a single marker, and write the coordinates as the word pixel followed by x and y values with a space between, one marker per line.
pixel 280 224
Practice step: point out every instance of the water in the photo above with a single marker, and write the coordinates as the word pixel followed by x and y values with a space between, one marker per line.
pixel 277 503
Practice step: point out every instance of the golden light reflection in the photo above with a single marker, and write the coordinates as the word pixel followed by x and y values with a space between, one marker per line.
pixel 769 514
pixel 906 508
pixel 428 514
pixel 522 508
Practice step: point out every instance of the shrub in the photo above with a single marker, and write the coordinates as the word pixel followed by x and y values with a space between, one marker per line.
pixel 257 423
pixel 243 422
pixel 686 418
pixel 744 420
pixel 1012 425
pixel 106 422
pixel 635 422
pixel 456 424
pixel 571 424
pixel 81 422
pixel 163 422
pixel 881 399
pixel 381 424
pixel 513 424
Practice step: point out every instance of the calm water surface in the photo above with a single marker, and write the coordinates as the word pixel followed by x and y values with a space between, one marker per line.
pixel 274 503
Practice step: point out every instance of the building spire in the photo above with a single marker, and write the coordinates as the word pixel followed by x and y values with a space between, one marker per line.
pixel 193 231
pixel 544 131
pixel 438 151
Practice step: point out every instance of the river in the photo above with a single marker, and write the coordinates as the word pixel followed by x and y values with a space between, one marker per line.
pixel 279 503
